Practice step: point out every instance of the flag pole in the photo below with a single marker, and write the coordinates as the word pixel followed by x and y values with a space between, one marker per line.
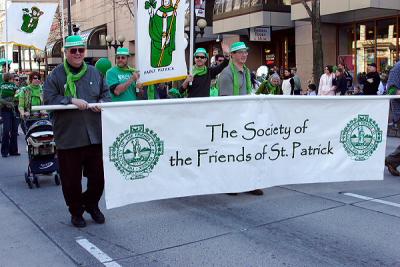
pixel 62 22
pixel 191 36
pixel 6 24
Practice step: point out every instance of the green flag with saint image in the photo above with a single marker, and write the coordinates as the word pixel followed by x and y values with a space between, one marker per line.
pixel 161 48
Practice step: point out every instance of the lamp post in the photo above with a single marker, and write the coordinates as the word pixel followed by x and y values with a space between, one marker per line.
pixel 117 43
pixel 38 58
pixel 201 23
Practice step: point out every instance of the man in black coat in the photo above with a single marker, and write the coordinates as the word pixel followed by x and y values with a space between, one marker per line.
pixel 373 79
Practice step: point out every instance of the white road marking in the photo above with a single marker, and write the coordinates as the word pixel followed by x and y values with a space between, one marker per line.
pixel 373 199
pixel 97 253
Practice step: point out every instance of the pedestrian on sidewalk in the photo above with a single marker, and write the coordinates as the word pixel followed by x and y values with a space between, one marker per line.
pixel 297 81
pixel 326 86
pixel 372 80
pixel 78 132
pixel 9 144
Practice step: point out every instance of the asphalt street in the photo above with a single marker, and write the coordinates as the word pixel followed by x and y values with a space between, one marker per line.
pixel 335 224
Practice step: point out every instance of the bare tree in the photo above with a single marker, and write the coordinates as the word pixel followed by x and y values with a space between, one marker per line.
pixel 126 3
pixel 318 56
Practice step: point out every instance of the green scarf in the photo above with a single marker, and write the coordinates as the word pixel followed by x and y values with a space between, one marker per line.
pixel 70 90
pixel 127 69
pixel 272 89
pixel 151 93
pixel 236 90
pixel 199 71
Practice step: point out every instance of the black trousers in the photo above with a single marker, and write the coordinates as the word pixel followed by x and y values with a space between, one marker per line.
pixel 72 162
pixel 9 144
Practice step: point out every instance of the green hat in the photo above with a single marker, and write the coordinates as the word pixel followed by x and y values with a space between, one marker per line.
pixel 201 50
pixel 123 51
pixel 103 65
pixel 238 46
pixel 74 40
pixel 3 61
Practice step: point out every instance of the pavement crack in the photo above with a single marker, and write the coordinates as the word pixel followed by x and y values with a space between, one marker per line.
pixel 377 211
pixel 311 195
pixel 39 228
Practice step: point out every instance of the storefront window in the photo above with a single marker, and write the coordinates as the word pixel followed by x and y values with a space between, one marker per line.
pixel 386 43
pixel 346 47
pixel 365 45
pixel 236 4
pixel 228 5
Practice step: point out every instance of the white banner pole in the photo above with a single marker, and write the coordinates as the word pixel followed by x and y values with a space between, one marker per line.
pixel 191 36
pixel 6 24
pixel 213 99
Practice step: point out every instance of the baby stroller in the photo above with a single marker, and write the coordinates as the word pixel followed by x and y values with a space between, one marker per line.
pixel 41 150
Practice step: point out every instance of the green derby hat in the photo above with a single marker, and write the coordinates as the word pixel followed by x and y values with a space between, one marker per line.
pixel 200 51
pixel 74 40
pixel 238 46
pixel 103 65
pixel 123 51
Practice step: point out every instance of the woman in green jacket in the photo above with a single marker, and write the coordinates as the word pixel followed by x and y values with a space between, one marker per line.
pixel 31 95
pixel 272 86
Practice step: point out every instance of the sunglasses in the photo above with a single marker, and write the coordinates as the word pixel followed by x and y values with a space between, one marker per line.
pixel 17 80
pixel 120 57
pixel 36 78
pixel 220 60
pixel 202 57
pixel 76 50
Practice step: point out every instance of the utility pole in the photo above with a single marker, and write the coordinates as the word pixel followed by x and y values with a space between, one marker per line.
pixel 69 18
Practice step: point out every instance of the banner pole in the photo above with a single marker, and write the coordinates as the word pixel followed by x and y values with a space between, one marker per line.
pixel 191 36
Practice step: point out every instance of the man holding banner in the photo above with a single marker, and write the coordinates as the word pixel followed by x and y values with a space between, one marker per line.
pixel 122 79
pixel 202 75
pixel 235 79
pixel 78 132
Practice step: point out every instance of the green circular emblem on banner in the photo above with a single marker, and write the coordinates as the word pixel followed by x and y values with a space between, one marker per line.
pixel 360 138
pixel 136 151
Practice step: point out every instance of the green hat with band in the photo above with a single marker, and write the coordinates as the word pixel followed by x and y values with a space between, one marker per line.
pixel 123 51
pixel 238 46
pixel 3 61
pixel 202 51
pixel 74 40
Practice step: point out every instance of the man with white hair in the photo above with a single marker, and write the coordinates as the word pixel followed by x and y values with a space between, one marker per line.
pixel 78 132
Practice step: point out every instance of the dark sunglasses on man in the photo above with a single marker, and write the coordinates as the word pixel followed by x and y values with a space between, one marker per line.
pixel 36 78
pixel 202 57
pixel 120 57
pixel 76 50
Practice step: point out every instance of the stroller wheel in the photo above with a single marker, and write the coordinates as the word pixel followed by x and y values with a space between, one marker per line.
pixel 28 181
pixel 36 181
pixel 57 179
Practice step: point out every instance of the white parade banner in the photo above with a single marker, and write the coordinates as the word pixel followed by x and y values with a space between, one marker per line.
pixel 160 43
pixel 28 23
pixel 175 148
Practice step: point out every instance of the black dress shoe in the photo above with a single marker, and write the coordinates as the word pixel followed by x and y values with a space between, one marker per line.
pixel 78 221
pixel 96 215
pixel 391 168
pixel 257 192
pixel 4 156
pixel 15 154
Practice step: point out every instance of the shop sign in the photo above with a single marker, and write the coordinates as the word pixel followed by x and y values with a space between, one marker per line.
pixel 260 34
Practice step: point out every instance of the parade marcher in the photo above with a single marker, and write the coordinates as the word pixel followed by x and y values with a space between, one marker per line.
pixel 202 75
pixel 9 144
pixel 214 91
pixel 122 79
pixel 31 95
pixel 326 86
pixel 393 160
pixel 270 86
pixel 372 80
pixel 78 132
pixel 297 81
pixel 287 83
pixel 235 80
